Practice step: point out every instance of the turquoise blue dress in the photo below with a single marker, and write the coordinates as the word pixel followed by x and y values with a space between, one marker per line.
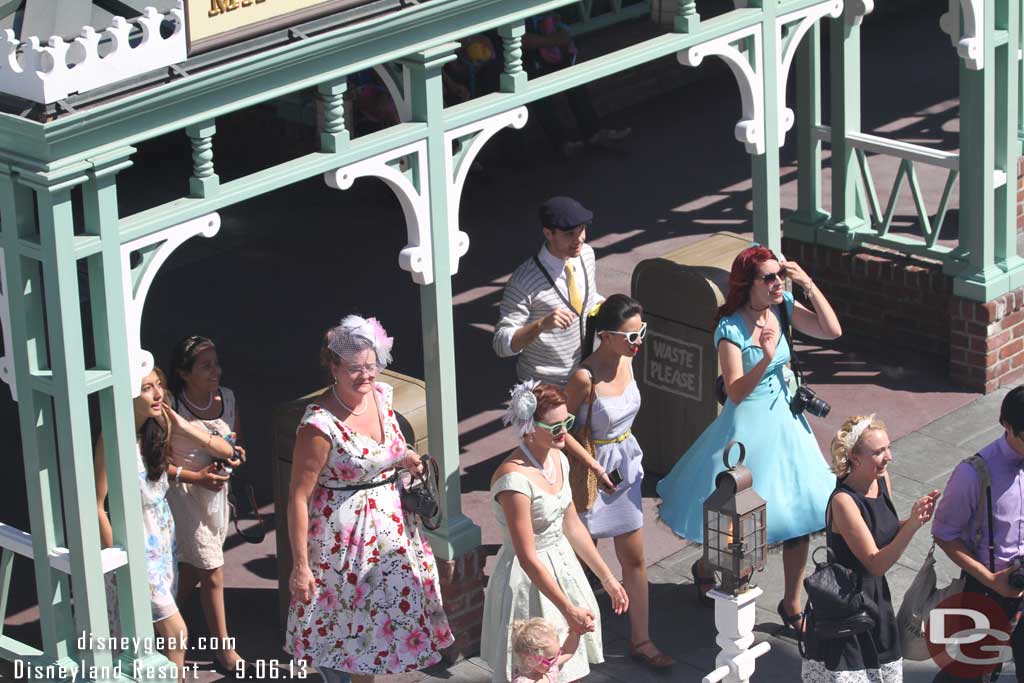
pixel 789 470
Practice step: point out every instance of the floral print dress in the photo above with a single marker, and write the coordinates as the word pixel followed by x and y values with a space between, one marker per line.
pixel 376 606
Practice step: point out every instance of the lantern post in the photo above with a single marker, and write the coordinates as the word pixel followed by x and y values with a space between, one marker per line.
pixel 735 546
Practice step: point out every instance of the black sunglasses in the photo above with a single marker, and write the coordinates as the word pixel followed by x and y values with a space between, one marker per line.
pixel 769 278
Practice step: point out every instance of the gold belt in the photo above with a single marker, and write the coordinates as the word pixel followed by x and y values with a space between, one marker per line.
pixel 619 439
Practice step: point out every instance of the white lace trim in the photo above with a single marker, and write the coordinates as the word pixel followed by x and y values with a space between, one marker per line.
pixel 812 671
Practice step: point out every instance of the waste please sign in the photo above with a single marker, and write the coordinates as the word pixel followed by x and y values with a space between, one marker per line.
pixel 673 365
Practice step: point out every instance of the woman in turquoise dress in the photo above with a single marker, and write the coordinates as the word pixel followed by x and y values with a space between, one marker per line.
pixel 789 470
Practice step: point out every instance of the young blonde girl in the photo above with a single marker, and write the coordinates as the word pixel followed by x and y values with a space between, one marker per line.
pixel 537 653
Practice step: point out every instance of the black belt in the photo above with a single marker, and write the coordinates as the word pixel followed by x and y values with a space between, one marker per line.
pixel 359 487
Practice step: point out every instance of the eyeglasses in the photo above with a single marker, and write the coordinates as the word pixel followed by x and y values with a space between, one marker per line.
pixel 549 661
pixel 769 278
pixel 632 337
pixel 558 428
pixel 369 369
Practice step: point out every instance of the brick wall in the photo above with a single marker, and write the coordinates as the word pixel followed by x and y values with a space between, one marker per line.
pixel 883 297
pixel 987 342
pixel 462 590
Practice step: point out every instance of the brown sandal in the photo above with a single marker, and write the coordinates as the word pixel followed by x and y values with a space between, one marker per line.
pixel 658 661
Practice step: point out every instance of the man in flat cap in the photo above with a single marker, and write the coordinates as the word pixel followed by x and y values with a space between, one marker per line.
pixel 543 309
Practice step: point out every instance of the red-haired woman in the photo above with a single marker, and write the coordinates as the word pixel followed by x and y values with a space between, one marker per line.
pixel 789 470
pixel 537 573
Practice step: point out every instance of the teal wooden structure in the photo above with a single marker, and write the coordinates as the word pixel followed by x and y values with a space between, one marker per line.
pixel 47 238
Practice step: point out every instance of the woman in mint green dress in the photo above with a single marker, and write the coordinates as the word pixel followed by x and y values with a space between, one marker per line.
pixel 789 470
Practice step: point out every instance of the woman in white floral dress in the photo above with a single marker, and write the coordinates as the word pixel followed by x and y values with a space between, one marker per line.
pixel 365 593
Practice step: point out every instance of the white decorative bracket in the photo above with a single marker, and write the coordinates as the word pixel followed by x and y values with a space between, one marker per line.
pixel 7 360
pixel 968 39
pixel 401 93
pixel 856 9
pixel 416 256
pixel 750 129
pixel 457 166
pixel 49 73
pixel 807 18
pixel 155 250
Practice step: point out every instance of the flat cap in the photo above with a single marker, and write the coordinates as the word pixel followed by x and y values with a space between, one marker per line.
pixel 564 213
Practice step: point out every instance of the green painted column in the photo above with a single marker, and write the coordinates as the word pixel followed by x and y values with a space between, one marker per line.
pixel 117 418
pixel 983 279
pixel 457 534
pixel 1007 18
pixel 35 414
pixel 766 171
pixel 848 210
pixel 68 379
pixel 810 215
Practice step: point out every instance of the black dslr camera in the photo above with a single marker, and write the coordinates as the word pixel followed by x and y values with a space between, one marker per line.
pixel 806 399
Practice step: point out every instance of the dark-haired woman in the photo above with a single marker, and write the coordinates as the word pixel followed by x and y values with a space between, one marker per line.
pixel 607 375
pixel 789 470
pixel 154 423
pixel 198 493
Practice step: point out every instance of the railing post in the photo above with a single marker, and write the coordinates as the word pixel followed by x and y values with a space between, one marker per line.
pixel 513 78
pixel 35 413
pixel 810 215
pixel 107 305
pixel 687 20
pixel 457 534
pixel 69 393
pixel 204 182
pixel 1007 18
pixel 766 171
pixel 333 134
pixel 848 210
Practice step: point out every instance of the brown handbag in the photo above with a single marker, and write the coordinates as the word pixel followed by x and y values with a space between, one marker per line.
pixel 582 480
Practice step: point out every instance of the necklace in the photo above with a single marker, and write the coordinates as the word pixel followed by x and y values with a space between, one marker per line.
pixel 549 478
pixel 184 396
pixel 347 406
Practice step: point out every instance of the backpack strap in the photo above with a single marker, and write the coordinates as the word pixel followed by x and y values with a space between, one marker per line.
pixel 985 484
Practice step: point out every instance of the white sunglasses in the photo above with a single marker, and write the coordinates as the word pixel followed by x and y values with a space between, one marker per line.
pixel 632 337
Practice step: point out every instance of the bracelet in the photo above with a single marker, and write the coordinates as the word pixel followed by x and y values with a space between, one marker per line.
pixel 209 440
pixel 810 289
pixel 607 579
pixel 177 475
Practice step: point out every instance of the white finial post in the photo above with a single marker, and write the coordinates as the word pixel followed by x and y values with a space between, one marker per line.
pixel 734 619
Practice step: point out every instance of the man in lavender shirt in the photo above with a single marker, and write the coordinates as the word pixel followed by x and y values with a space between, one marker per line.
pixel 962 510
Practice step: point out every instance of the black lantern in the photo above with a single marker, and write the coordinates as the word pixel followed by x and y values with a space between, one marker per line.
pixel 734 525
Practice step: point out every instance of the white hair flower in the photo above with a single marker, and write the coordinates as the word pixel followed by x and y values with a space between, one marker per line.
pixel 521 407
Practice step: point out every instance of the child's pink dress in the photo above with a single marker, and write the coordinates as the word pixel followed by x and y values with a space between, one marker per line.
pixel 550 677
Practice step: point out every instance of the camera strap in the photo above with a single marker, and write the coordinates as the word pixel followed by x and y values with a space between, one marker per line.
pixel 787 332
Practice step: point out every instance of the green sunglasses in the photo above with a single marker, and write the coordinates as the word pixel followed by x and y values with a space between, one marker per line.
pixel 559 427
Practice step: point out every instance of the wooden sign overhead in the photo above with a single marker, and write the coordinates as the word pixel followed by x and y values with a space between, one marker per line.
pixel 214 23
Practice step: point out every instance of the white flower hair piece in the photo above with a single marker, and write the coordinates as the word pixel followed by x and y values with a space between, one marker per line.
pixel 522 407
pixel 354 334
pixel 857 430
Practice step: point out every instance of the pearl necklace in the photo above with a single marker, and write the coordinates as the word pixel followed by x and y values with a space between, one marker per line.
pixel 346 406
pixel 549 478
pixel 184 396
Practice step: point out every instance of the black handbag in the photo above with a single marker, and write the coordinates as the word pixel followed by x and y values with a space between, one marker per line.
pixel 836 604
pixel 421 496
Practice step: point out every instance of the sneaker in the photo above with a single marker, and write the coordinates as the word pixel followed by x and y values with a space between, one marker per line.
pixel 606 135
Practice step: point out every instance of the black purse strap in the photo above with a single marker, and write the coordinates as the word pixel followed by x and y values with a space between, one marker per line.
pixel 586 294
pixel 360 487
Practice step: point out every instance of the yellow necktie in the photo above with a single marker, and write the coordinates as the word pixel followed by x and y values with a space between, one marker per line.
pixel 575 300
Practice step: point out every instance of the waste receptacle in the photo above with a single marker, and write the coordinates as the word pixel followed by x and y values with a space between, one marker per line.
pixel 410 404
pixel 680 293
